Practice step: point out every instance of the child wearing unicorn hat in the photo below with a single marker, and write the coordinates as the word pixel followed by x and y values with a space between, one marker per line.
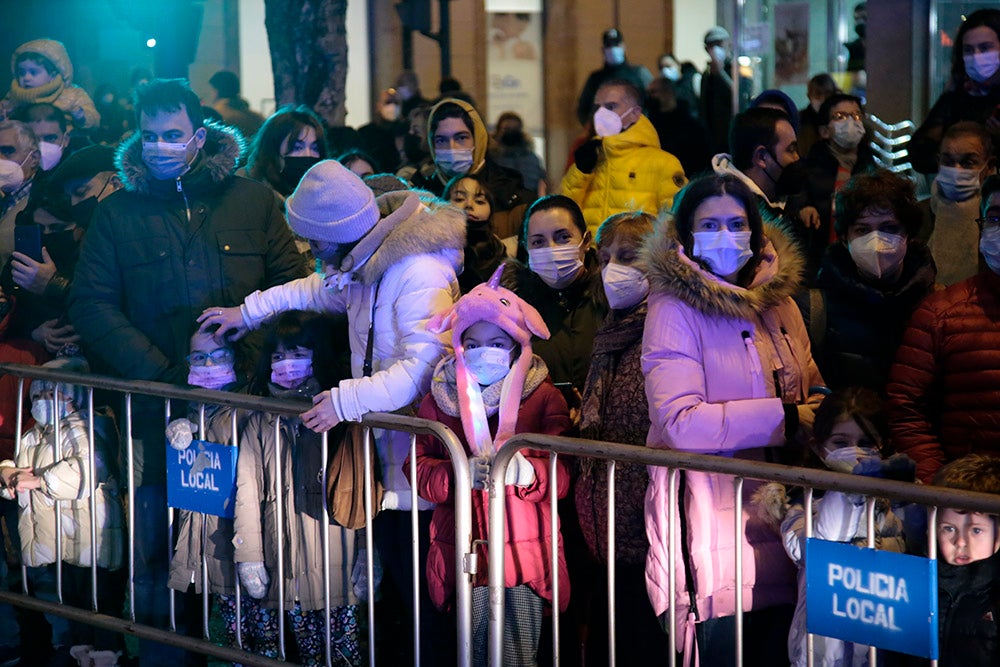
pixel 491 388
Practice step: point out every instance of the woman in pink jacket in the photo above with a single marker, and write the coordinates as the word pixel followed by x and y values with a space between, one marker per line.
pixel 728 372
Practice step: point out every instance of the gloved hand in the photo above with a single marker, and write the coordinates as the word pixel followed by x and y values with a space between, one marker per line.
pixel 868 466
pixel 479 472
pixel 520 472
pixel 180 433
pixel 253 576
pixel 899 467
pixel 585 156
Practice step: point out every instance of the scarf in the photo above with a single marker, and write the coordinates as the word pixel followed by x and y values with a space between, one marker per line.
pixel 44 93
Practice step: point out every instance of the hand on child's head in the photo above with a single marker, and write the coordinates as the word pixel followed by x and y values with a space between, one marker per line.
pixel 966 537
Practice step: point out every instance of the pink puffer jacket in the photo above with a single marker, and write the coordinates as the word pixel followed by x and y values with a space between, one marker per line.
pixel 716 357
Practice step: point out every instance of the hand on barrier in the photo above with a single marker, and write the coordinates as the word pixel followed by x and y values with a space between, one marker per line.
pixel 254 578
pixel 479 472
pixel 520 472
pixel 180 433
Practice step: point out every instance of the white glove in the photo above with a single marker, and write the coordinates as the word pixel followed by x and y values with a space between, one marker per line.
pixel 254 578
pixel 479 472
pixel 520 472
pixel 180 433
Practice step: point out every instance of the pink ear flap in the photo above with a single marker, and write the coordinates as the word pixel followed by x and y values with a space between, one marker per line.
pixel 534 321
pixel 442 321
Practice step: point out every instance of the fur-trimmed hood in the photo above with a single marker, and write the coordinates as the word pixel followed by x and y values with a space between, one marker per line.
pixel 418 223
pixel 778 276
pixel 224 146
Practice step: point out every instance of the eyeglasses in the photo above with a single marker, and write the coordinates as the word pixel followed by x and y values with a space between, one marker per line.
pixel 844 115
pixel 221 356
pixel 989 222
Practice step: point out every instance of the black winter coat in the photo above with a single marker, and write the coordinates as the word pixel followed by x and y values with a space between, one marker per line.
pixel 968 613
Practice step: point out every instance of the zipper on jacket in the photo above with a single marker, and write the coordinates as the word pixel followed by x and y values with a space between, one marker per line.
pixel 187 206
pixel 752 353
pixel 795 357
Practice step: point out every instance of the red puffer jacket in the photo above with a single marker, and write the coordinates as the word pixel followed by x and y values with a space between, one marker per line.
pixel 944 388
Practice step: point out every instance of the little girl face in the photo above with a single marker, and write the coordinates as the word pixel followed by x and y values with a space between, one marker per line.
pixel 291 367
pixel 469 196
pixel 847 433
pixel 486 334
pixel 31 74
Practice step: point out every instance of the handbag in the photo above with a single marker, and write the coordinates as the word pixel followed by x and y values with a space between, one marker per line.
pixel 345 474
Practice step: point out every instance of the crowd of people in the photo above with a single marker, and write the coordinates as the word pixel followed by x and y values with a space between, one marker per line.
pixel 694 284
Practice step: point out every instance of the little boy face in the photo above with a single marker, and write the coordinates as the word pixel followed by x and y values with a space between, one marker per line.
pixel 966 537
pixel 31 74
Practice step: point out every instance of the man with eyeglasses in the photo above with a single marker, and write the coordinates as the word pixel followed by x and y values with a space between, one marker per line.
pixel 944 389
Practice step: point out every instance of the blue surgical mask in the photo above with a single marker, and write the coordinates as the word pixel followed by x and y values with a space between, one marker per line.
pixel 41 410
pixel 454 162
pixel 488 364
pixel 167 161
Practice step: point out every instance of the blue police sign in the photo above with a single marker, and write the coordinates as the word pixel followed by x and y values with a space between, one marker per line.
pixel 876 598
pixel 202 478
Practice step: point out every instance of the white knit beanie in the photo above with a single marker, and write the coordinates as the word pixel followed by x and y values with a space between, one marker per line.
pixel 331 204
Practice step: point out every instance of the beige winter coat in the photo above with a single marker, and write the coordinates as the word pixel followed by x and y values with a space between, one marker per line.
pixel 302 527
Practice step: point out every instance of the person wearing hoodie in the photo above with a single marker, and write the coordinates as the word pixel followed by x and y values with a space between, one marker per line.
pixel 458 143
pixel 42 72
pixel 391 265
pixel 183 233
pixel 623 168
pixel 720 318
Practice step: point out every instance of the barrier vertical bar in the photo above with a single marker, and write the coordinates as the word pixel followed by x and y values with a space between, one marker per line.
pixel 369 545
pixel 672 564
pixel 738 488
pixel 18 428
pixel 415 552
pixel 932 547
pixel 612 645
pixel 323 471
pixel 870 521
pixel 56 456
pixel 206 633
pixel 554 528
pixel 810 638
pixel 171 599
pixel 279 487
pixel 130 462
pixel 92 499
pixel 234 441
pixel 497 592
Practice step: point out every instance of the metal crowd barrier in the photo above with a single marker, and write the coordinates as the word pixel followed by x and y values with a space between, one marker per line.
pixel 282 409
pixel 675 461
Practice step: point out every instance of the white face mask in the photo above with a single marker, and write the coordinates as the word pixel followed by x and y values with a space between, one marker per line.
pixel 878 254
pixel 556 266
pixel 11 175
pixel 488 364
pixel 607 123
pixel 454 162
pixel 981 66
pixel 290 373
pixel 718 52
pixel 51 154
pixel 614 55
pixel 165 160
pixel 41 410
pixel 671 73
pixel 848 133
pixel 625 286
pixel 214 376
pixel 989 245
pixel 843 459
pixel 956 183
pixel 725 252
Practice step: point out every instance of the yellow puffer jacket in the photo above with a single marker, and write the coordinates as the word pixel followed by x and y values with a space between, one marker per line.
pixel 633 174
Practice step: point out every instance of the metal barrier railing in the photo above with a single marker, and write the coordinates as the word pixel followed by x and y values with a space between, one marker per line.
pixel 676 461
pixel 280 409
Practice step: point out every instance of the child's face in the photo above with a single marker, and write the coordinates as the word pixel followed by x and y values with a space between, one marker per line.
pixel 468 195
pixel 965 537
pixel 291 367
pixel 486 334
pixel 847 433
pixel 31 74
pixel 206 352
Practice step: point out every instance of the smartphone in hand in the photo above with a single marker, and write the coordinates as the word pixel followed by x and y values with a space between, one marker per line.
pixel 28 240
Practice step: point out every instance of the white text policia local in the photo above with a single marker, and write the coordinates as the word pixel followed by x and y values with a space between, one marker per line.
pixel 885 587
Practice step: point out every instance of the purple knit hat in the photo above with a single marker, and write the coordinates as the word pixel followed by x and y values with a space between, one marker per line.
pixel 491 303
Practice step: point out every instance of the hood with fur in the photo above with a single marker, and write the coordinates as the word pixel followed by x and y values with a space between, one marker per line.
pixel 415 223
pixel 778 276
pixel 224 146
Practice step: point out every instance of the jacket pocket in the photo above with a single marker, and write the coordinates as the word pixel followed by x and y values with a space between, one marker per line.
pixel 241 254
pixel 146 269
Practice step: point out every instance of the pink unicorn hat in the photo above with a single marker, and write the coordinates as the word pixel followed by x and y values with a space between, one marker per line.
pixel 495 304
